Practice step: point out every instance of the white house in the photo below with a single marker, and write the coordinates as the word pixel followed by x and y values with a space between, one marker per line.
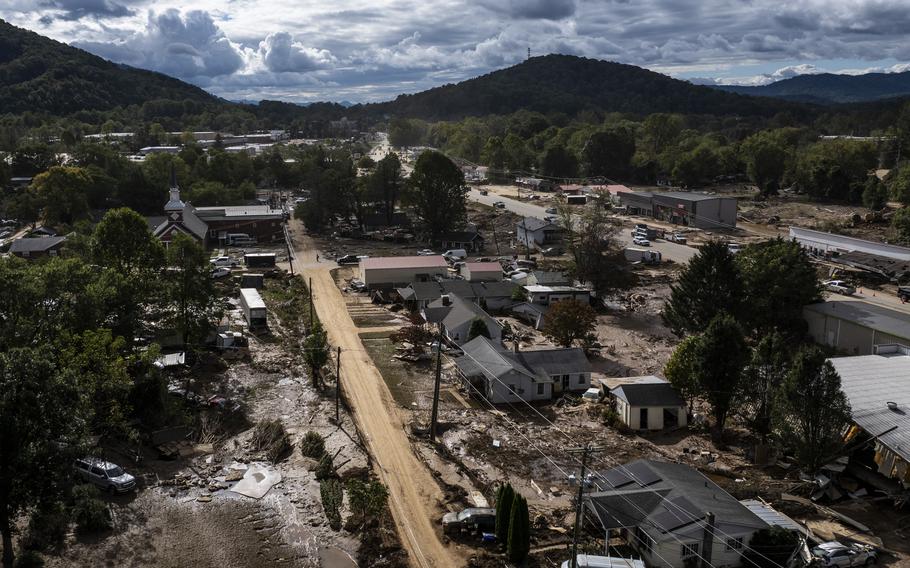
pixel 481 271
pixel 511 376
pixel 648 403
pixel 533 232
pixel 672 515
pixel 391 271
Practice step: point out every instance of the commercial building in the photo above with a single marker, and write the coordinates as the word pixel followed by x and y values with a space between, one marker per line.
pixel 697 210
pixel 878 389
pixel 395 271
pixel 855 327
pixel 672 515
pixel 831 245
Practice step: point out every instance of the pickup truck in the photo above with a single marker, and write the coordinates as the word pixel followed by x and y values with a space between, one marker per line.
pixel 471 520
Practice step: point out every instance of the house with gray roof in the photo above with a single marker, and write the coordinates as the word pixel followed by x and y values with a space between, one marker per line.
pixel 456 315
pixel 538 233
pixel 495 295
pixel 36 247
pixel 878 389
pixel 671 514
pixel 649 403
pixel 512 376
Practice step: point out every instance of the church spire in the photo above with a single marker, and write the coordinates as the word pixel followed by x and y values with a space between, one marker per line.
pixel 174 203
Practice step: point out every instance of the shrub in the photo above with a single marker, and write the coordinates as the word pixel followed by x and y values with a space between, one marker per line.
pixel 47 528
pixel 332 493
pixel 312 445
pixel 325 469
pixel 367 500
pixel 29 559
pixel 90 513
pixel 611 418
pixel 271 437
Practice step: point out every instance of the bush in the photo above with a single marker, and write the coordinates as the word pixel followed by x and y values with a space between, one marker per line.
pixel 312 445
pixel 90 513
pixel 367 500
pixel 29 559
pixel 325 469
pixel 611 418
pixel 332 493
pixel 47 528
pixel 271 437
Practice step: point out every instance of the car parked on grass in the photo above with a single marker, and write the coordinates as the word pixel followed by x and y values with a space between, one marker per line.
pixel 839 287
pixel 836 554
pixel 106 475
pixel 471 520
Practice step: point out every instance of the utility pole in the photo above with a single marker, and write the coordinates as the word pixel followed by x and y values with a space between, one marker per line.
pixel 338 385
pixel 287 242
pixel 524 226
pixel 311 302
pixel 434 415
pixel 585 452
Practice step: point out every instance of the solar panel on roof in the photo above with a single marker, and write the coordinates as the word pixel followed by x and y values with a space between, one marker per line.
pixel 678 512
pixel 616 478
pixel 642 474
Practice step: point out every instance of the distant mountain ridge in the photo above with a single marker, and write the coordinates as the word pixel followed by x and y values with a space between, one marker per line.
pixel 828 88
pixel 570 84
pixel 39 74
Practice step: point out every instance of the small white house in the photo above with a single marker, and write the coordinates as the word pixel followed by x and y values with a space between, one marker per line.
pixel 649 403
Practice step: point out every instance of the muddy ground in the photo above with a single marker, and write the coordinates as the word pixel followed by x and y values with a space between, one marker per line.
pixel 183 515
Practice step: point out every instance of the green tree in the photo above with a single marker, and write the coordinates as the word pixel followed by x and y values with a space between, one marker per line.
pixel 609 153
pixel 517 154
pixel 900 224
pixel 770 548
pixel 519 543
pixel 660 131
pixel 557 161
pixel 316 351
pixel 63 193
pixel 438 193
pixel 680 370
pixel 696 167
pixel 569 321
pixel 385 184
pixel 720 355
pixel 899 185
pixel 765 156
pixel 478 328
pixel 765 374
pixel 875 194
pixel 504 497
pixel 778 280
pixel 494 153
pixel 812 410
pixel 190 289
pixel 589 238
pixel 710 284
pixel 25 207
pixel 122 241
pixel 39 428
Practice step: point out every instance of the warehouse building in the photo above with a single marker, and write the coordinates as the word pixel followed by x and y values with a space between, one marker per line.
pixel 831 245
pixel 697 210
pixel 399 271
pixel 855 327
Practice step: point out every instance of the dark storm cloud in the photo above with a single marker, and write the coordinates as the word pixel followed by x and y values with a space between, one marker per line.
pixel 77 9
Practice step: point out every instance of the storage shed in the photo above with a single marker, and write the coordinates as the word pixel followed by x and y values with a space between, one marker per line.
pixel 649 403
pixel 482 271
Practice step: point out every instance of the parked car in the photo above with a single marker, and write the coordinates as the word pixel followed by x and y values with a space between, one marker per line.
pixel 348 259
pixel 221 272
pixel 455 254
pixel 106 475
pixel 471 520
pixel 551 210
pixel 484 192
pixel 903 293
pixel 678 239
pixel 499 204
pixel 836 554
pixel 222 261
pixel 839 287
pixel 641 241
pixel 358 285
pixel 425 252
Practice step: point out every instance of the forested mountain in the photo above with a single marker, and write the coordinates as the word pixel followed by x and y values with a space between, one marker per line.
pixel 829 88
pixel 41 75
pixel 569 84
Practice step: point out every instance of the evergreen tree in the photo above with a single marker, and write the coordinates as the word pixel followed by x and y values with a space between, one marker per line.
pixel 719 358
pixel 316 351
pixel 680 370
pixel 504 497
pixel 766 373
pixel 478 328
pixel 519 543
pixel 709 285
pixel 875 194
pixel 438 193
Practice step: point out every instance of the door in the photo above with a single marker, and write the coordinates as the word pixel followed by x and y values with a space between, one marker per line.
pixel 643 418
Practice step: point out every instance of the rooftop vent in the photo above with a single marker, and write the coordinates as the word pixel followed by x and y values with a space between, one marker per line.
pixel 891 405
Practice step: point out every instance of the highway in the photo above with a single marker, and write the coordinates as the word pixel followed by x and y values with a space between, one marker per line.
pixel 669 251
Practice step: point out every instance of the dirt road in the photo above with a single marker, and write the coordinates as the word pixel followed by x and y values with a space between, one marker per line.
pixel 413 493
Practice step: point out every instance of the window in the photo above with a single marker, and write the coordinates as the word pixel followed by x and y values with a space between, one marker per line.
pixel 735 543
pixel 540 389
pixel 581 379
pixel 689 550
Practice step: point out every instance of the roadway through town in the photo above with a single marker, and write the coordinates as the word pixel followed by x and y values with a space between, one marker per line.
pixel 669 251
pixel 414 495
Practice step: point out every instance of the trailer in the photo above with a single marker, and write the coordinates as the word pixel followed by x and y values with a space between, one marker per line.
pixel 643 256
pixel 259 260
pixel 253 307
pixel 251 281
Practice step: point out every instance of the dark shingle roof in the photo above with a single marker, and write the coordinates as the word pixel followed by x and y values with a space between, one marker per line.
pixel 35 244
pixel 482 356
pixel 534 224
pixel 422 291
pixel 649 394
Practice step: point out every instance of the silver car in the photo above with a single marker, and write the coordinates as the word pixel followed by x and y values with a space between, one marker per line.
pixel 840 287
pixel 106 475
pixel 836 554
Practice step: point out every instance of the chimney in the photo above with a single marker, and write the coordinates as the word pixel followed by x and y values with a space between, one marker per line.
pixel 446 300
pixel 516 344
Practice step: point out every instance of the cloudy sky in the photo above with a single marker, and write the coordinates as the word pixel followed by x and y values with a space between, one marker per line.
pixel 359 50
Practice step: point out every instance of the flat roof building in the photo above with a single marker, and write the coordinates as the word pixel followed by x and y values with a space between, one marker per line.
pixel 829 244
pixel 697 210
pixel 855 327
pixel 398 271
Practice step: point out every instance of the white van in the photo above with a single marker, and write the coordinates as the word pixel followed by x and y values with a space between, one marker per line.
pixel 588 561
pixel 455 254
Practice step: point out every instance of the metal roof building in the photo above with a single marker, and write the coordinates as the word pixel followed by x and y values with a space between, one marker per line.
pixel 855 327
pixel 829 244
pixel 698 210
pixel 878 388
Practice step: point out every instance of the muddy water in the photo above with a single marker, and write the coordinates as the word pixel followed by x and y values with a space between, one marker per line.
pixel 335 558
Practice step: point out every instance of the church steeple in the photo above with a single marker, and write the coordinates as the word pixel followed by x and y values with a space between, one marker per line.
pixel 174 207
